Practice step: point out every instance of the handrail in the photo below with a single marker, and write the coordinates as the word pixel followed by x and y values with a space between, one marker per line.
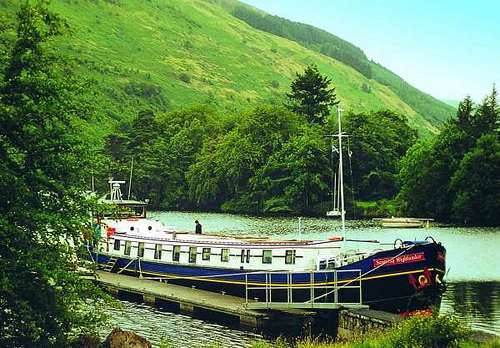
pixel 312 285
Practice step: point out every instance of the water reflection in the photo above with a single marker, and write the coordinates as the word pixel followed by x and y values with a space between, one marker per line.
pixel 477 303
pixel 175 329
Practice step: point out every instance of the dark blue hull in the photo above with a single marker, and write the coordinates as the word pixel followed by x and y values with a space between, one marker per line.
pixel 396 280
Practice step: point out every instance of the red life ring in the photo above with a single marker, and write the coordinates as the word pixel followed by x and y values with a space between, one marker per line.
pixel 110 231
pixel 423 281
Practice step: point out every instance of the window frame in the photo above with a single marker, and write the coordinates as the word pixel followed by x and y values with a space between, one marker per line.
pixel 117 245
pixel 205 254
pixel 140 249
pixel 176 253
pixel 224 255
pixel 290 256
pixel 158 250
pixel 267 259
pixel 128 248
pixel 192 255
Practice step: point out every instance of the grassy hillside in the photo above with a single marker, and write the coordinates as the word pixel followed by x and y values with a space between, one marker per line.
pixel 451 102
pixel 430 111
pixel 167 54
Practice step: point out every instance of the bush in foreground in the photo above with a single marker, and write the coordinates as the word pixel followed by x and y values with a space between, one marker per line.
pixel 417 332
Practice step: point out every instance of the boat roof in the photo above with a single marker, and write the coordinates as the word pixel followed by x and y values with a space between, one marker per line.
pixel 130 202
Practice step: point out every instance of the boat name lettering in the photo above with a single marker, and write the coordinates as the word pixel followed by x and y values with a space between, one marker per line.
pixel 391 261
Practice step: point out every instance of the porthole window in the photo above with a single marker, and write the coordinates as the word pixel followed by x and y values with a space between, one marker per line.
pixel 150 228
pixel 131 228
pixel 267 256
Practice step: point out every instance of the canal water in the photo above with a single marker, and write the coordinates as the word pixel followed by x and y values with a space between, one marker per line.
pixel 473 277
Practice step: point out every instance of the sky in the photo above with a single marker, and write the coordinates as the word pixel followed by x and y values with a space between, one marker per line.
pixel 447 48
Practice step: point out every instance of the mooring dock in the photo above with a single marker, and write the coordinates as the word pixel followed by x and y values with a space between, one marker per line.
pixel 226 309
pixel 205 304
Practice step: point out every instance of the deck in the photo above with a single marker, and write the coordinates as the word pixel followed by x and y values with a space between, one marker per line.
pixel 205 304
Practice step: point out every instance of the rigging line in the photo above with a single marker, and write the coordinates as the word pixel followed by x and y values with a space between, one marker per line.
pixel 333 183
pixel 360 278
pixel 349 153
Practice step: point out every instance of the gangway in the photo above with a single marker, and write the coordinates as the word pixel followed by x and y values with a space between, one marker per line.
pixel 320 290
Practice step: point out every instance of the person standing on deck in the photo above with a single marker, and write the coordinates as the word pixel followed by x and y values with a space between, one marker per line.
pixel 198 227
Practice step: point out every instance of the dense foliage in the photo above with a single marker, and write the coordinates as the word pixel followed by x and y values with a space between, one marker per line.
pixel 266 160
pixel 455 175
pixel 377 142
pixel 43 213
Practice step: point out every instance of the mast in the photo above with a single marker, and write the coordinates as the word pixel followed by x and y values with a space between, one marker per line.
pixel 130 179
pixel 341 173
pixel 334 198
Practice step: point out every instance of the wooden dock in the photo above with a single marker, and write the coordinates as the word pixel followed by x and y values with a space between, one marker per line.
pixel 208 305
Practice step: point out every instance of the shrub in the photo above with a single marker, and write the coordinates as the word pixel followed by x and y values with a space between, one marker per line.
pixel 428 332
pixel 184 78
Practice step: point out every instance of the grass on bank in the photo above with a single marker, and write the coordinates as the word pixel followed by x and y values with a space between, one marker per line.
pixel 417 332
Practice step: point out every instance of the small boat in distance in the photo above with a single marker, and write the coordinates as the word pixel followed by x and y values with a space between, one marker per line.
pixel 404 222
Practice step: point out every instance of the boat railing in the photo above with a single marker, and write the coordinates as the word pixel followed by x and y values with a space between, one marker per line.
pixel 325 289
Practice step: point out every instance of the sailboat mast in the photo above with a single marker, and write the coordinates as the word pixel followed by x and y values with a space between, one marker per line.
pixel 341 174
pixel 334 198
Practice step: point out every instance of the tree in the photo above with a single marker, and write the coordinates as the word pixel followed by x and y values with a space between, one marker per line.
pixel 377 142
pixel 43 212
pixel 222 173
pixel 455 176
pixel 294 178
pixel 312 96
pixel 477 184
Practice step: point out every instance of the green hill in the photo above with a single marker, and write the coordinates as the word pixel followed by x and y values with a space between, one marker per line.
pixel 166 54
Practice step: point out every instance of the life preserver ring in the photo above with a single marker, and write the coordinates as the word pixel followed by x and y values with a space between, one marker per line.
pixel 110 231
pixel 398 244
pixel 423 280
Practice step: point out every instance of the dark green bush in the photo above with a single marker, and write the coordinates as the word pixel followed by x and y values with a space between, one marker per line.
pixel 428 332
pixel 184 78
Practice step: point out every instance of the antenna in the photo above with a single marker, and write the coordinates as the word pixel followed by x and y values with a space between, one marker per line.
pixel 130 180
pixel 116 193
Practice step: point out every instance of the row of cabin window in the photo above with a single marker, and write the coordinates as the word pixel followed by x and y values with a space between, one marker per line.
pixel 267 255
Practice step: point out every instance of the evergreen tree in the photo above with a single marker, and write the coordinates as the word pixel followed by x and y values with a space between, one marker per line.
pixel 455 176
pixel 312 96
pixel 43 212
